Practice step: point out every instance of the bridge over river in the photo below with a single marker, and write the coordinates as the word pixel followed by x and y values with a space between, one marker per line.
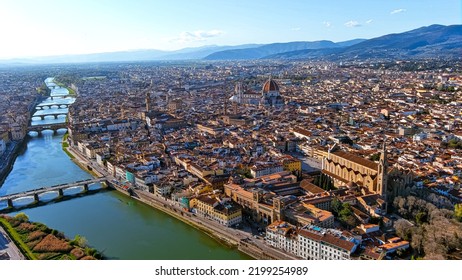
pixel 59 189
pixel 43 106
pixel 52 126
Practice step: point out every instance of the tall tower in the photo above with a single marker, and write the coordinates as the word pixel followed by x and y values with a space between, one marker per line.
pixel 382 177
pixel 238 92
pixel 148 98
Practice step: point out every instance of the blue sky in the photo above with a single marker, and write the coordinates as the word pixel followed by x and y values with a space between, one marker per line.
pixel 54 27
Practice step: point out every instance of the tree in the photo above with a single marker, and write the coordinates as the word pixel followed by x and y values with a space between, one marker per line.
pixel 346 210
pixel 324 182
pixel 80 241
pixel 375 157
pixel 458 212
pixel 22 217
pixel 316 181
pixel 455 144
pixel 403 229
pixel 346 215
pixel 417 239
pixel 421 217
pixel 400 205
pixel 336 206
pixel 330 186
pixel 350 221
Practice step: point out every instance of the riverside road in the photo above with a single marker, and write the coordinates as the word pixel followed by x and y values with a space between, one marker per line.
pixel 230 235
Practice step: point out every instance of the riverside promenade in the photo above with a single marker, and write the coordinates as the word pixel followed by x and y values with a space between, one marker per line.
pixel 240 239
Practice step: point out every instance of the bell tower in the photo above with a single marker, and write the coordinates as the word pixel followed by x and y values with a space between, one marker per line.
pixel 277 207
pixel 148 98
pixel 382 176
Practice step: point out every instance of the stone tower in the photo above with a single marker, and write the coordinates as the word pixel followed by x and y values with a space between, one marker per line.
pixel 277 208
pixel 148 98
pixel 382 176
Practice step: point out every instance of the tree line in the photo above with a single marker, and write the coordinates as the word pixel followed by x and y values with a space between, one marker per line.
pixel 433 233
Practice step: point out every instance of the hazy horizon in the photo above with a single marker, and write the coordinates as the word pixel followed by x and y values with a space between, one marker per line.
pixel 46 28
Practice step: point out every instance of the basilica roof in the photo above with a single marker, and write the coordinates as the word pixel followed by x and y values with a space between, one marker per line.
pixel 270 85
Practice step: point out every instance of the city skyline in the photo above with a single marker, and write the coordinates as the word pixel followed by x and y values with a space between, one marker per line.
pixel 51 27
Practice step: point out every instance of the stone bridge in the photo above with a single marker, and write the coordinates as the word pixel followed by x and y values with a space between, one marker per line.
pixel 57 188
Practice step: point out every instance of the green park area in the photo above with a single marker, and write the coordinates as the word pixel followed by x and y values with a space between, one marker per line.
pixel 39 242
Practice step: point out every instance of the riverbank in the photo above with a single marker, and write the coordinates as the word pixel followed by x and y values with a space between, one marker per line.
pixel 8 158
pixel 37 241
pixel 69 89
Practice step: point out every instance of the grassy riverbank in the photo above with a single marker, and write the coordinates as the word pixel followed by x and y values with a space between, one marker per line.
pixel 37 241
pixel 16 238
pixel 65 145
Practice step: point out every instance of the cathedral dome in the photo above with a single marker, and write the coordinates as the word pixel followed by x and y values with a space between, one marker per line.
pixel 270 85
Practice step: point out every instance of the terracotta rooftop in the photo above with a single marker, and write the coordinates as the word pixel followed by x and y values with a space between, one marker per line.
pixel 328 238
pixel 270 85
pixel 311 188
pixel 359 160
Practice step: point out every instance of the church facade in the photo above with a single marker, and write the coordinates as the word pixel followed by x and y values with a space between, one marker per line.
pixel 346 169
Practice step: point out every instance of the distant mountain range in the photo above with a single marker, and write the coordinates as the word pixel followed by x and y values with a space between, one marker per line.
pixel 425 42
pixel 135 55
pixel 276 48
pixel 431 41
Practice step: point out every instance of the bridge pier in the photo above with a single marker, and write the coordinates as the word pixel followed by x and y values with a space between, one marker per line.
pixel 85 187
pixel 36 198
pixel 9 202
pixel 60 192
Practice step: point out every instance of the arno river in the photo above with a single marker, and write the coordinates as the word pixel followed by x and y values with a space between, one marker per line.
pixel 120 227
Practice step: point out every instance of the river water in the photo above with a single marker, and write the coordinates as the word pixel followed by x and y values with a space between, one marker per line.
pixel 120 227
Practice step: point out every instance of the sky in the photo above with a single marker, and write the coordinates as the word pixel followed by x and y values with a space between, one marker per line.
pixel 31 28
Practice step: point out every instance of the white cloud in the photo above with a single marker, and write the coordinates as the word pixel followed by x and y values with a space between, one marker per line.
pixel 296 29
pixel 327 24
pixel 196 36
pixel 352 23
pixel 397 11
pixel 369 21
